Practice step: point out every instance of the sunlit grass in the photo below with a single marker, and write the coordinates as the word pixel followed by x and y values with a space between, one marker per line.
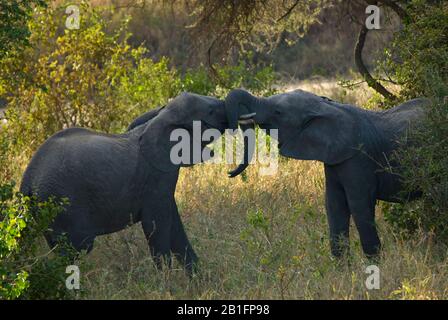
pixel 263 237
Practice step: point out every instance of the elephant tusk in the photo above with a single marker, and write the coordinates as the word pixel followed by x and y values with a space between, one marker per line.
pixel 247 116
pixel 248 121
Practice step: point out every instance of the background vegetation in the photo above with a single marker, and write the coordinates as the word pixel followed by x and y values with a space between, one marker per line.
pixel 257 236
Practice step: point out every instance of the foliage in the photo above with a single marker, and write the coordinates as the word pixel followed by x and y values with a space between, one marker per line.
pixel 14 16
pixel 24 273
pixel 423 70
pixel 404 218
pixel 86 77
pixel 297 48
pixel 253 22
pixel 425 168
pixel 259 80
pixel 83 77
pixel 89 77
pixel 73 77
pixel 420 49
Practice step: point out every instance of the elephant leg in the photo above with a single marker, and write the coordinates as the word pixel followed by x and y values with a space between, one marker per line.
pixel 157 226
pixel 77 241
pixel 338 213
pixel 360 187
pixel 180 245
pixel 363 212
pixel 73 229
pixel 81 241
pixel 51 240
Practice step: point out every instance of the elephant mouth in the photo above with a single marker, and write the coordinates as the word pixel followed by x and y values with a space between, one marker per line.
pixel 247 118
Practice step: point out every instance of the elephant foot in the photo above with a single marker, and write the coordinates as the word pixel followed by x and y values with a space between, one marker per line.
pixel 372 251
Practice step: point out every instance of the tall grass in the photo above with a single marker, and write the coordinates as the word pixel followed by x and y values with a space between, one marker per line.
pixel 266 237
pixel 263 237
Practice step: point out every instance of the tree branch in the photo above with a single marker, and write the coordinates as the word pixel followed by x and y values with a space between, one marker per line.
pixel 288 12
pixel 373 83
pixel 396 8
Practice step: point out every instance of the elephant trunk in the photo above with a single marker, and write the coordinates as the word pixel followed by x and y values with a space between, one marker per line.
pixel 240 106
pixel 248 151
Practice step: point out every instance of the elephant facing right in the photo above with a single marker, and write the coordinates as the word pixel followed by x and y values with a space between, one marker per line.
pixel 355 145
pixel 116 180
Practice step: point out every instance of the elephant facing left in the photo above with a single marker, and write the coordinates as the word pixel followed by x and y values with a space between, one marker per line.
pixel 113 181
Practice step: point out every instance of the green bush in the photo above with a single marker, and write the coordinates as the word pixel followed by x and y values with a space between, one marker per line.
pixel 14 17
pixel 258 79
pixel 24 272
pixel 423 71
pixel 83 77
pixel 425 168
pixel 420 49
pixel 90 77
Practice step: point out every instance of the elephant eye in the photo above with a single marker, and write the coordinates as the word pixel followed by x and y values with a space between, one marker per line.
pixel 278 112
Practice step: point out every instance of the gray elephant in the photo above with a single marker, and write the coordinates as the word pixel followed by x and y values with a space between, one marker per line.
pixel 354 144
pixel 112 181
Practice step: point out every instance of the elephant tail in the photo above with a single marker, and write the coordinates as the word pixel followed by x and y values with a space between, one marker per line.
pixel 25 190
pixel 25 187
pixel 26 183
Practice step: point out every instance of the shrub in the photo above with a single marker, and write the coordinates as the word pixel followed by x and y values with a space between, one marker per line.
pixel 420 49
pixel 425 168
pixel 14 17
pixel 90 78
pixel 258 79
pixel 424 71
pixel 87 77
pixel 83 77
pixel 23 272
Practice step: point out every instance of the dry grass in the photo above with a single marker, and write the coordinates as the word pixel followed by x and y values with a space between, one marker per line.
pixel 358 94
pixel 285 255
pixel 264 237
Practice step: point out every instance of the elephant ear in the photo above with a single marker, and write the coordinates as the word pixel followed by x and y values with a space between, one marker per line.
pixel 155 144
pixel 330 135
pixel 144 118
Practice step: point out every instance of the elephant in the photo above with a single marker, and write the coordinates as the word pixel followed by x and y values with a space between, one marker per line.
pixel 355 145
pixel 114 180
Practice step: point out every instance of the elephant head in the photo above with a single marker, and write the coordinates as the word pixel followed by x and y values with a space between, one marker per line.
pixel 309 127
pixel 156 141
